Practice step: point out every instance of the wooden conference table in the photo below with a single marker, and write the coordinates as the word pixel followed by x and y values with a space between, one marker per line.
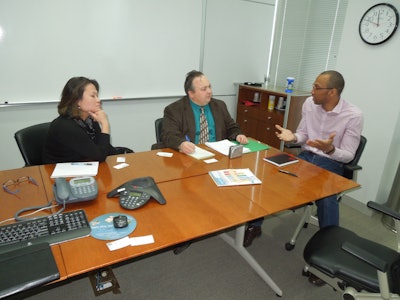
pixel 195 206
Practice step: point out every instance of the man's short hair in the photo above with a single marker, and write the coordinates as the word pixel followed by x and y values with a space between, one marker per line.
pixel 189 80
pixel 335 81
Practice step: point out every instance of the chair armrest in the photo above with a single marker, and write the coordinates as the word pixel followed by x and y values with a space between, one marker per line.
pixel 292 146
pixel 368 257
pixel 159 145
pixel 123 150
pixel 352 168
pixel 384 209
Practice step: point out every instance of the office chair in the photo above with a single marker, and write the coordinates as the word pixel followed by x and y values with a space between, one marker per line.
pixel 30 141
pixel 308 217
pixel 363 269
pixel 123 150
pixel 158 127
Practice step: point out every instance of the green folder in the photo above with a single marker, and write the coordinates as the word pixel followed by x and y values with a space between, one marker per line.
pixel 254 145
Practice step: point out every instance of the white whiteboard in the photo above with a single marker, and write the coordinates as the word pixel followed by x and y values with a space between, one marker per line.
pixel 133 48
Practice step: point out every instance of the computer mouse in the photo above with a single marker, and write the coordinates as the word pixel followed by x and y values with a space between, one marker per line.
pixel 120 221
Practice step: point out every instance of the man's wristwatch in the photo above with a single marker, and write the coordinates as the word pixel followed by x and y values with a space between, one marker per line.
pixel 330 151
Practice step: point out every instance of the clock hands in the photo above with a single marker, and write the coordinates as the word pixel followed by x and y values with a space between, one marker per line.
pixel 379 13
pixel 378 19
pixel 370 20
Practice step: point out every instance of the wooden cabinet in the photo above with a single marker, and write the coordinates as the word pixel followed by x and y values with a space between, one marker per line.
pixel 257 121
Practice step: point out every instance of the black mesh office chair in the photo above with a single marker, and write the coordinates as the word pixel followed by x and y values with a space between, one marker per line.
pixel 363 269
pixel 158 127
pixel 308 217
pixel 30 141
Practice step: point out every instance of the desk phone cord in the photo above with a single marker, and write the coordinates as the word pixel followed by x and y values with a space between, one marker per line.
pixel 49 205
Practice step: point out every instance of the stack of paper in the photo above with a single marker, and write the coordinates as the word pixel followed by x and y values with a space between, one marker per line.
pixel 223 146
pixel 75 169
pixel 230 177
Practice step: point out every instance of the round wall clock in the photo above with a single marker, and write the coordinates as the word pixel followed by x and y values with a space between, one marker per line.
pixel 379 23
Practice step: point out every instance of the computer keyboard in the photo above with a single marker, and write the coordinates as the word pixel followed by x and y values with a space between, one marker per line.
pixel 52 229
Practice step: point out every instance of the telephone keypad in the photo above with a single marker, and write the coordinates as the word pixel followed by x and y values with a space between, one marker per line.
pixel 133 199
pixel 82 190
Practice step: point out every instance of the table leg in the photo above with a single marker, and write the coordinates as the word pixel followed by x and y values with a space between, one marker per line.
pixel 237 244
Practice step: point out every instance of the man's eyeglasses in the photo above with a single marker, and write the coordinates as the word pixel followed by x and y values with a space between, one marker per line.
pixel 316 88
pixel 10 185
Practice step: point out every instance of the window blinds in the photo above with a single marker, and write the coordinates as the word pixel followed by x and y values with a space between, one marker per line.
pixel 306 40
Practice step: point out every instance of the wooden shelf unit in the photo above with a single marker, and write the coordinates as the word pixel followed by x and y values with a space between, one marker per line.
pixel 258 122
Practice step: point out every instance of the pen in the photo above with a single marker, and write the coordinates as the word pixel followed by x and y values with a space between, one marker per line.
pixel 187 138
pixel 287 172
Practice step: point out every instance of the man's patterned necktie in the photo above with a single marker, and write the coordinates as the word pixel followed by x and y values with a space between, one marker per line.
pixel 203 127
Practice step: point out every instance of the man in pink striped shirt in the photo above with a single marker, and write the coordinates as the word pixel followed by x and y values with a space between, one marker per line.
pixel 329 132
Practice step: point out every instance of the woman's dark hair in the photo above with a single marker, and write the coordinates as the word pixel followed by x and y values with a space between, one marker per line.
pixel 189 80
pixel 72 93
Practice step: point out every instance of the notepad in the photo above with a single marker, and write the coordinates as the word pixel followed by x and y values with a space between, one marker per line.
pixel 281 159
pixel 75 169
pixel 200 153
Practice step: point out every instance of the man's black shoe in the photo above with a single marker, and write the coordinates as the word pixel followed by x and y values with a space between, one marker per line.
pixel 251 233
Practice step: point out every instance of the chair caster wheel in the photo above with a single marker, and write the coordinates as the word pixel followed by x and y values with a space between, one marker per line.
pixel 349 294
pixel 289 246
pixel 348 297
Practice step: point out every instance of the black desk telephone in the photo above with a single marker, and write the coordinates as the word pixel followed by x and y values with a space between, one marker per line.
pixel 137 192
pixel 76 190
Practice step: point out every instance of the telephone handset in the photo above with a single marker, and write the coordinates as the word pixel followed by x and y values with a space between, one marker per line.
pixel 137 192
pixel 78 189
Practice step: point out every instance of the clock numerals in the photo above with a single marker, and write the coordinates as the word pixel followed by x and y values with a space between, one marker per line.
pixel 378 24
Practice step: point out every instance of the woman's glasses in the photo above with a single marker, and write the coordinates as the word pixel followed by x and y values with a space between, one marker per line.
pixel 10 186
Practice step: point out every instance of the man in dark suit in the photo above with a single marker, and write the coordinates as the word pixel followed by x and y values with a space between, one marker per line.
pixel 183 127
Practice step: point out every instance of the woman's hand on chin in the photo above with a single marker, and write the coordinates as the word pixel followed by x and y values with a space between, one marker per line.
pixel 100 116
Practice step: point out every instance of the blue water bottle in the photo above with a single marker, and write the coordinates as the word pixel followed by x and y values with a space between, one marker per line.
pixel 289 84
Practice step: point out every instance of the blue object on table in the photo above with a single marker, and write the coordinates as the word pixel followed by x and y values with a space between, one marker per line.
pixel 103 227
